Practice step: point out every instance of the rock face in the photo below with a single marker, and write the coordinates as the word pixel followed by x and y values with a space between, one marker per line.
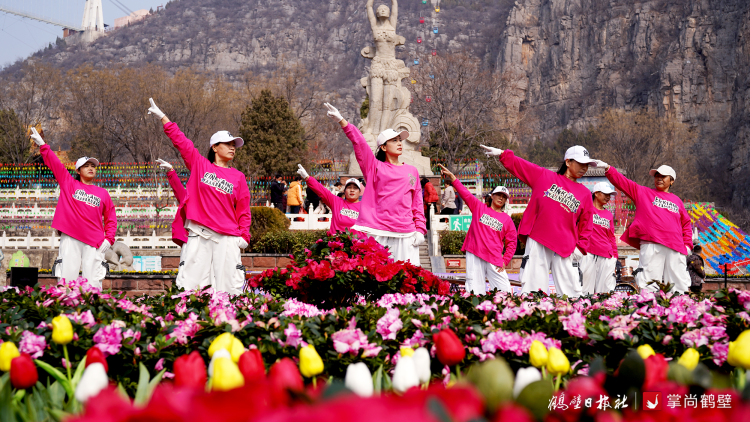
pixel 685 58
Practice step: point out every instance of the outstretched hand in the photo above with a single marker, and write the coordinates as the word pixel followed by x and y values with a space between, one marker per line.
pixel 601 164
pixel 302 172
pixel 36 137
pixel 155 110
pixel 447 173
pixel 165 165
pixel 333 113
pixel 491 152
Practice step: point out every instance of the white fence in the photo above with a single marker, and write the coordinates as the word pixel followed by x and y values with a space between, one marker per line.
pixel 53 241
pixel 46 213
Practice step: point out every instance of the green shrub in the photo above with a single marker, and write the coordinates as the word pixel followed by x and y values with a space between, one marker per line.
pixel 287 241
pixel 451 242
pixel 266 220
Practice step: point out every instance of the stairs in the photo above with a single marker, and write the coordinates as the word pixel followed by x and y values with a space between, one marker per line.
pixel 424 257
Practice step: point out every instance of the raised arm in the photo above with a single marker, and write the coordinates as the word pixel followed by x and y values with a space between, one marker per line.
pixel 394 13
pixel 63 177
pixel 325 195
pixel 362 151
pixel 464 193
pixel 510 241
pixel 371 14
pixel 177 187
pixel 526 171
pixel 629 187
pixel 242 210
pixel 189 152
pixel 110 220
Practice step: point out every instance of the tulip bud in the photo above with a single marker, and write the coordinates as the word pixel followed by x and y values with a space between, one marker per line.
pixel 405 375
pixel 406 351
pixel 689 359
pixel 310 363
pixel 656 371
pixel 359 379
pixel 494 380
pixel 557 363
pixel 237 349
pixel 645 351
pixel 93 381
pixel 23 372
pixel 62 330
pixel 8 352
pixel 450 350
pixel 538 354
pixel 223 341
pixel 284 374
pixel 94 355
pixel 190 371
pixel 221 353
pixel 524 377
pixel 227 375
pixel 739 351
pixel 251 365
pixel 422 364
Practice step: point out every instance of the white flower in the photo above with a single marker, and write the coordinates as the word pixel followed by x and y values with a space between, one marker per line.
pixel 221 353
pixel 524 377
pixel 358 379
pixel 422 364
pixel 93 381
pixel 405 375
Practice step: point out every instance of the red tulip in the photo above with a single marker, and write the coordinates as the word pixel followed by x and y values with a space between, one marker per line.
pixel 656 371
pixel 251 365
pixel 190 371
pixel 95 355
pixel 513 412
pixel 285 374
pixel 450 350
pixel 23 372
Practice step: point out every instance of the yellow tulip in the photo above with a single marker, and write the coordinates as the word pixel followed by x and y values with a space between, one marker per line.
pixel 739 351
pixel 8 352
pixel 557 363
pixel 407 351
pixel 227 375
pixel 62 330
pixel 645 351
pixel 689 359
pixel 237 349
pixel 223 341
pixel 310 363
pixel 538 354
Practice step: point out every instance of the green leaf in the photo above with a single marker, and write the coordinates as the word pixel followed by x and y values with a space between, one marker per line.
pixel 58 415
pixel 6 399
pixel 154 382
pixel 56 374
pixel 79 372
pixel 141 394
pixel 378 380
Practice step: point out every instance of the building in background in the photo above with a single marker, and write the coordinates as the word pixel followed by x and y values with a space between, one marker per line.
pixel 131 18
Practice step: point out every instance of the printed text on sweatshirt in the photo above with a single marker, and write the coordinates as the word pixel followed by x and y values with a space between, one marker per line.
pixel 603 241
pixel 345 213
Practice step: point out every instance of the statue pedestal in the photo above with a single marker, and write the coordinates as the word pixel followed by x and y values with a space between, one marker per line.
pixel 411 157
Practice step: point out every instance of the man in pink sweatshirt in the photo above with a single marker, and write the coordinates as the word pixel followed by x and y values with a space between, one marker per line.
pixel 217 211
pixel 661 229
pixel 345 211
pixel 557 222
pixel 179 232
pixel 598 265
pixel 84 215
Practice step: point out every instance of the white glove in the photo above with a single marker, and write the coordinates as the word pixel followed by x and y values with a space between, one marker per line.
pixel 243 243
pixel 418 239
pixel 36 137
pixel 689 251
pixel 155 110
pixel 104 246
pixel 490 152
pixel 602 164
pixel 302 172
pixel 577 255
pixel 333 113
pixel 165 165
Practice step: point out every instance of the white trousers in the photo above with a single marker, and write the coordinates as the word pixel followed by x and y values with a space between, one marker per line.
pixel 658 262
pixel 180 279
pixel 598 274
pixel 212 259
pixel 402 248
pixel 75 255
pixel 536 272
pixel 478 270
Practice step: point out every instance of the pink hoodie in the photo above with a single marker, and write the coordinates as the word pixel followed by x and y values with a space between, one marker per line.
pixel 559 214
pixel 179 232
pixel 393 196
pixel 603 242
pixel 492 234
pixel 660 217
pixel 345 213
pixel 81 207
pixel 218 197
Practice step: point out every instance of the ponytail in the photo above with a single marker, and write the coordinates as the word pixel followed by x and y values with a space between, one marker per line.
pixel 380 155
pixel 211 155
pixel 563 169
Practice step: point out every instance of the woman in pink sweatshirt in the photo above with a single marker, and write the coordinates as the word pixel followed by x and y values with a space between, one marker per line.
pixel 345 211
pixel 661 229
pixel 217 211
pixel 85 217
pixel 179 232
pixel 557 222
pixel 392 210
pixel 491 240
pixel 598 265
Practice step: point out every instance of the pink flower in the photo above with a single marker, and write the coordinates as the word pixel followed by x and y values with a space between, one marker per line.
pixel 135 335
pixel 32 344
pixel 151 348
pixel 159 364
pixel 293 307
pixel 575 324
pixel 335 245
pixel 514 342
pixel 352 339
pixel 487 307
pixel 389 324
pixel 185 329
pixel 704 336
pixel 620 325
pixel 85 318
pixel 109 339
pixel 293 336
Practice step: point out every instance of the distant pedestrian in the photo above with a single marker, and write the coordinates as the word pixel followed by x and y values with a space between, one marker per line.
pixel 430 198
pixel 695 269
pixel 448 202
pixel 294 195
pixel 278 187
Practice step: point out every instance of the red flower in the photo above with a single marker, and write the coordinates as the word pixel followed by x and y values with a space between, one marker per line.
pixel 321 271
pixel 23 372
pixel 450 350
pixel 284 374
pixel 386 272
pixel 341 261
pixel 656 371
pixel 513 412
pixel 251 365
pixel 94 355
pixel 190 370
pixel 294 280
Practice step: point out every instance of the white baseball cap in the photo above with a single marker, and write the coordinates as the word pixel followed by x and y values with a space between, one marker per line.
pixel 579 154
pixel 603 187
pixel 501 189
pixel 390 134
pixel 353 180
pixel 83 160
pixel 224 136
pixel 664 171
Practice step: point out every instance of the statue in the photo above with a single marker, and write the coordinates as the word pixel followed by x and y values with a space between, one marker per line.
pixel 119 257
pixel 389 101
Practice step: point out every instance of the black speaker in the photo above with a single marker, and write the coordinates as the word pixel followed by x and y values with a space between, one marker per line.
pixel 24 276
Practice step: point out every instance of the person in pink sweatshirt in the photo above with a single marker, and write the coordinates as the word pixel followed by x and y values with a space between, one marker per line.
pixel 179 232
pixel 661 229
pixel 217 211
pixel 557 223
pixel 85 217
pixel 392 210
pixel 344 211
pixel 598 265
pixel 491 240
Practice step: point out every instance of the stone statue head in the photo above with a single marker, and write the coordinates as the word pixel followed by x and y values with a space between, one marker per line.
pixel 383 11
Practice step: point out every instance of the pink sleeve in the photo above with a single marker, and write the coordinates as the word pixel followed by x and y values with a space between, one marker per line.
pixel 613 238
pixel 585 225
pixel 528 172
pixel 510 240
pixel 417 208
pixel 242 210
pixel 110 220
pixel 623 183
pixel 63 177
pixel 362 151
pixel 687 226
pixel 188 151
pixel 471 201
pixel 176 184
pixel 325 195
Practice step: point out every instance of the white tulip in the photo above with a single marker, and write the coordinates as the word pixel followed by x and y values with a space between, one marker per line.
pixel 221 353
pixel 93 381
pixel 358 379
pixel 524 377
pixel 405 375
pixel 422 364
